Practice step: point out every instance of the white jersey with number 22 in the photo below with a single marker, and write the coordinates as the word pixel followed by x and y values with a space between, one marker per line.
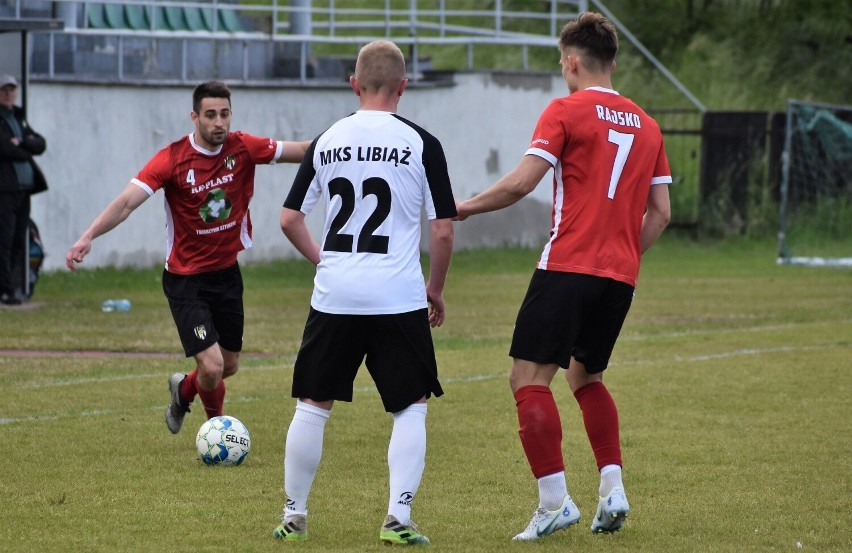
pixel 376 173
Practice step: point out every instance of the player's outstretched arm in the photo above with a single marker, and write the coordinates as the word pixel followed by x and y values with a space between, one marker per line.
pixel 294 227
pixel 510 188
pixel 441 236
pixel 657 215
pixel 293 152
pixel 117 211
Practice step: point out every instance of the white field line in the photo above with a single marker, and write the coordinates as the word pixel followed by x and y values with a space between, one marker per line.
pixel 626 338
pixel 749 351
pixel 119 378
pixel 367 389
pixel 98 412
pixel 762 328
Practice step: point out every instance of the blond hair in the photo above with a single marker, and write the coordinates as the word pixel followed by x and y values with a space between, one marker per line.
pixel 380 65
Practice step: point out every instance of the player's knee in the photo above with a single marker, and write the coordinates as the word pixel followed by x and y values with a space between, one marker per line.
pixel 230 370
pixel 231 363
pixel 518 381
pixel 211 368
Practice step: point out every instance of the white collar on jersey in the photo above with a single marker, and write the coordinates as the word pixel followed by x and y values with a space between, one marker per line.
pixel 602 89
pixel 202 150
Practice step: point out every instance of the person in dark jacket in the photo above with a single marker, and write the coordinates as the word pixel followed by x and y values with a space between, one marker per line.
pixel 20 177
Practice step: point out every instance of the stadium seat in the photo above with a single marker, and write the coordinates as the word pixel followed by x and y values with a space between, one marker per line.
pixel 136 17
pixel 229 22
pixel 208 15
pixel 167 17
pixel 95 13
pixel 114 16
pixel 175 19
pixel 157 15
pixel 194 19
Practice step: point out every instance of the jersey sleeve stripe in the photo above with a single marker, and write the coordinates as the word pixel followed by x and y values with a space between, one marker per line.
pixel 544 154
pixel 661 180
pixel 437 175
pixel 279 149
pixel 302 182
pixel 142 185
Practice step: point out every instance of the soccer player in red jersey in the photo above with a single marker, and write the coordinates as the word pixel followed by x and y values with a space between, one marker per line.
pixel 207 178
pixel 610 204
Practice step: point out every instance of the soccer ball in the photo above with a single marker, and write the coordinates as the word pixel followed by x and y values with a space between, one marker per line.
pixel 223 441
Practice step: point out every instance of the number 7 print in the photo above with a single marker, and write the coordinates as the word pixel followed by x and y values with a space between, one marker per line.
pixel 624 142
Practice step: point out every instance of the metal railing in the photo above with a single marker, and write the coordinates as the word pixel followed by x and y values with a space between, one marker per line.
pixel 124 39
pixel 333 16
pixel 278 39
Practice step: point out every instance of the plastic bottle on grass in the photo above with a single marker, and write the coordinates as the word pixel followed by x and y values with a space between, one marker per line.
pixel 110 306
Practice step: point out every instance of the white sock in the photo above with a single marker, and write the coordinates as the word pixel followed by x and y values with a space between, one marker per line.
pixel 610 478
pixel 552 489
pixel 302 454
pixel 406 459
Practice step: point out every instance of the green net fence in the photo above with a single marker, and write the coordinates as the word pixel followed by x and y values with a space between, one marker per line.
pixel 816 188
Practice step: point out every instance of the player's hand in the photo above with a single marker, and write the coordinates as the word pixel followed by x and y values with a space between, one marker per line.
pixel 77 252
pixel 462 214
pixel 436 308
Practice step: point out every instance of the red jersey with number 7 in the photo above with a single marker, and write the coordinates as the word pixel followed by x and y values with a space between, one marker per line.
pixel 606 153
pixel 207 197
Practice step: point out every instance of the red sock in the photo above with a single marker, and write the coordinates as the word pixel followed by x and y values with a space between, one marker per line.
pixel 213 400
pixel 189 387
pixel 540 429
pixel 600 416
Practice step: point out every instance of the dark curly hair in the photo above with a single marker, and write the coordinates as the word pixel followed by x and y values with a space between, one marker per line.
pixel 210 89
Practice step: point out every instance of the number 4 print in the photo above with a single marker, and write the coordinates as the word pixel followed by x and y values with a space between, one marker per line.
pixel 624 142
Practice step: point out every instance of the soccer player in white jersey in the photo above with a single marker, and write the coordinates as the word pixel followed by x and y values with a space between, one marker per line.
pixel 373 172
pixel 610 204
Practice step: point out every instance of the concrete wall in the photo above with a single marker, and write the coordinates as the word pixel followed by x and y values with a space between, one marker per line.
pixel 99 136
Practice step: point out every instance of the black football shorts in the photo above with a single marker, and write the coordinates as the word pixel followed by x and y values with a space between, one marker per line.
pixel 568 315
pixel 207 308
pixel 397 350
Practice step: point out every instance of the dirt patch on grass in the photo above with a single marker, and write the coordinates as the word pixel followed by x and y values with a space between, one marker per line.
pixel 106 354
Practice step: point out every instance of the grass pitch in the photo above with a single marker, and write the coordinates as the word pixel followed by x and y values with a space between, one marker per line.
pixel 732 378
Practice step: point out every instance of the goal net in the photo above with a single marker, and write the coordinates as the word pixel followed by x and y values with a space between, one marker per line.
pixel 816 186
